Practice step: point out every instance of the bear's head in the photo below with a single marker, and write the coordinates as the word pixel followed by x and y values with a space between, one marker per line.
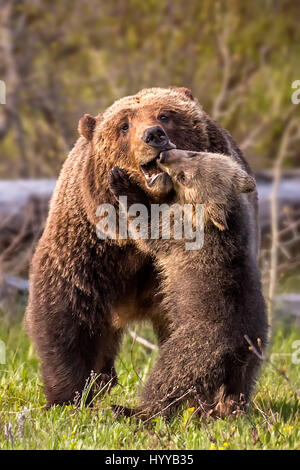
pixel 132 133
pixel 134 130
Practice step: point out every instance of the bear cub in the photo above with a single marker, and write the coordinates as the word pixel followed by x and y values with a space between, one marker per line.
pixel 213 296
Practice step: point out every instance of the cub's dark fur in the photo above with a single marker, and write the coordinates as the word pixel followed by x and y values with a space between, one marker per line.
pixel 213 297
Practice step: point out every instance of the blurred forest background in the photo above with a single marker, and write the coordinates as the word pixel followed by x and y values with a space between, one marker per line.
pixel 61 59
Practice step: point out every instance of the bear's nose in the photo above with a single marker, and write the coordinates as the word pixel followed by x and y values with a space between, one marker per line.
pixel 155 137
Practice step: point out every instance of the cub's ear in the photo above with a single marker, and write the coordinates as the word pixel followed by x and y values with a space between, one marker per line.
pixel 245 183
pixel 86 126
pixel 216 214
pixel 183 91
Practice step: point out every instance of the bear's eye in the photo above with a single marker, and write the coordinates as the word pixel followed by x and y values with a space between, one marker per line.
pixel 163 117
pixel 181 177
pixel 125 127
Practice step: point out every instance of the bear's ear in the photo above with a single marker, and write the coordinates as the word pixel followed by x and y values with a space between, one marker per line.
pixel 183 91
pixel 216 214
pixel 86 126
pixel 246 182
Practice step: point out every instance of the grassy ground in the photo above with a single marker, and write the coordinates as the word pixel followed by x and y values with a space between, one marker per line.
pixel 273 422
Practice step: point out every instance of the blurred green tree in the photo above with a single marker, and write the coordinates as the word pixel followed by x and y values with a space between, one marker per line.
pixel 61 59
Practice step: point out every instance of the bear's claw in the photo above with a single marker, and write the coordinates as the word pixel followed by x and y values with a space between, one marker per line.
pixel 128 412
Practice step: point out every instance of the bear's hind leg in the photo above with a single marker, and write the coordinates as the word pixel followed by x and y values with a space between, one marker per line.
pixel 69 354
pixel 67 367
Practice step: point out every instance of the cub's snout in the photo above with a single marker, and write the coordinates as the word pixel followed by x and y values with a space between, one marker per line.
pixel 175 156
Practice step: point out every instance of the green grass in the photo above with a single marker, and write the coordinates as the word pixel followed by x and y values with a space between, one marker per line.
pixel 272 423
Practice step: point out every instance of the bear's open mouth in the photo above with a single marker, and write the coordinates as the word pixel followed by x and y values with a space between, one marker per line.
pixel 150 169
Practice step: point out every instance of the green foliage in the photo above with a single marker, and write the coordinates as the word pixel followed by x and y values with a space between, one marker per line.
pixel 79 56
pixel 273 422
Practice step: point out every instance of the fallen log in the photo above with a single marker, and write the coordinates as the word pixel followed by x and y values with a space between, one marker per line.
pixel 21 197
pixel 23 212
pixel 288 304
pixel 288 196
pixel 24 207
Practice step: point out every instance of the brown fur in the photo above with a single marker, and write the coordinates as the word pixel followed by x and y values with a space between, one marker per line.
pixel 209 178
pixel 79 284
pixel 212 297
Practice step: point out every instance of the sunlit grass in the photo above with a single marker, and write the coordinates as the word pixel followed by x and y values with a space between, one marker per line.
pixel 273 422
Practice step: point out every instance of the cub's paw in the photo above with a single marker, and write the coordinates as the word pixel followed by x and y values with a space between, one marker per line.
pixel 128 412
pixel 121 185
pixel 119 182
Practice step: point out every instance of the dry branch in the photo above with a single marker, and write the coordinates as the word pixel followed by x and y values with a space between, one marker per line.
pixel 142 341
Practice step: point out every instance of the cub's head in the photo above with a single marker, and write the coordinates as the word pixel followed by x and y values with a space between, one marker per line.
pixel 215 180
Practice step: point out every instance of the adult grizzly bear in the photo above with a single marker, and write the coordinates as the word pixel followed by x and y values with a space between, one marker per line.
pixel 84 291
pixel 213 297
